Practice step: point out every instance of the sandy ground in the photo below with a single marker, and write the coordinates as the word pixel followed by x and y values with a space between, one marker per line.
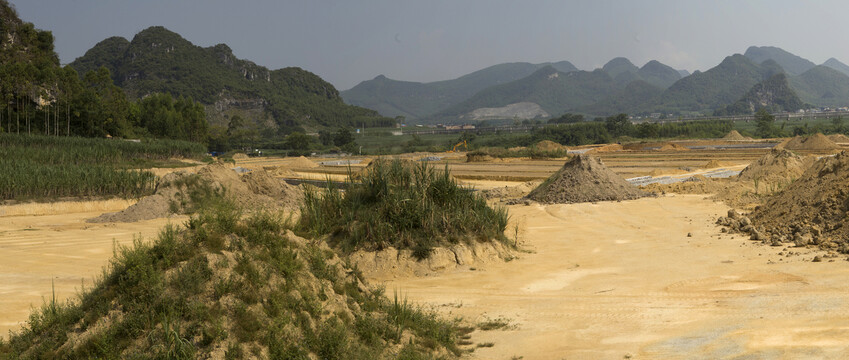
pixel 36 249
pixel 612 280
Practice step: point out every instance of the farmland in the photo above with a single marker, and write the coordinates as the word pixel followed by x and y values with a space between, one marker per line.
pixel 39 167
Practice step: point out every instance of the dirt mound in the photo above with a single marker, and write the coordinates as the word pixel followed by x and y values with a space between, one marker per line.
pixel 839 138
pixel 609 148
pixel 302 162
pixel 547 145
pixel 778 164
pixel 254 190
pixel 478 157
pixel 810 210
pixel 813 142
pixel 713 164
pixel 734 135
pixel 510 192
pixel 240 156
pixel 585 179
pixel 673 147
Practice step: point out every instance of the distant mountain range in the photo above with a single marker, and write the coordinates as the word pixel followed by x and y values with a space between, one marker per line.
pixel 739 84
pixel 159 60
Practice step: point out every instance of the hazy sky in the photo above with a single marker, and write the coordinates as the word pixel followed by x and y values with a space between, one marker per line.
pixel 346 42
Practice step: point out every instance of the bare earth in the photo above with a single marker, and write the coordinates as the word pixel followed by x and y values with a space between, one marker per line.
pixel 601 281
pixel 35 249
pixel 612 279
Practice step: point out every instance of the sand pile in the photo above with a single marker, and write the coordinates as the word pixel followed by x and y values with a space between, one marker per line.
pixel 301 162
pixel 778 164
pixel 811 210
pixel 240 156
pixel 673 147
pixel 734 135
pixel 609 148
pixel 255 190
pixel 813 142
pixel 839 138
pixel 712 165
pixel 585 179
pixel 510 192
pixel 548 145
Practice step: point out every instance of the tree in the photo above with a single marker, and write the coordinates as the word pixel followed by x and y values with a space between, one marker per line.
pixel 343 137
pixel 325 137
pixel 619 125
pixel 837 124
pixel 297 141
pixel 765 124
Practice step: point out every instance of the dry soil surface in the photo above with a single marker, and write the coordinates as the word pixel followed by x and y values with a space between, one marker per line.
pixel 618 279
pixel 62 248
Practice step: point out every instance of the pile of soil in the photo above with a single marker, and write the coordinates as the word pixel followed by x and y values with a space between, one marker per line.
pixel 609 148
pixel 839 138
pixel 734 135
pixel 255 190
pixel 712 165
pixel 478 157
pixel 301 163
pixel 813 142
pixel 673 147
pixel 548 145
pixel 240 156
pixel 811 210
pixel 778 164
pixel 510 192
pixel 585 179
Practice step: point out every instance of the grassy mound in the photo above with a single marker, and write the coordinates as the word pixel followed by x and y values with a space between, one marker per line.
pixel 406 206
pixel 228 287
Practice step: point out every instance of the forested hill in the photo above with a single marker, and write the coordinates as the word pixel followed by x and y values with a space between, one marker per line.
pixel 159 60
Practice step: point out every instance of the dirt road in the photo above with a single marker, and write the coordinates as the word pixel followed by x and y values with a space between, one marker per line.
pixel 35 249
pixel 612 280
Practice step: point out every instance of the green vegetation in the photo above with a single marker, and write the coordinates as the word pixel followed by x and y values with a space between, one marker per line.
pixel 246 285
pixel 773 94
pixel 406 206
pixel 37 166
pixel 158 60
pixel 40 97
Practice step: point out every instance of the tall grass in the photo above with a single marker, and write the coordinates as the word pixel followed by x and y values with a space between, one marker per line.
pixel 186 295
pixel 406 206
pixel 33 167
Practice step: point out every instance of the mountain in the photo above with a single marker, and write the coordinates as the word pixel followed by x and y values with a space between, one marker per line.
pixel 822 86
pixel 721 85
pixel 792 64
pixel 415 100
pixel 159 60
pixel 683 73
pixel 27 59
pixel 658 74
pixel 633 96
pixel 618 66
pixel 774 94
pixel 554 91
pixel 837 65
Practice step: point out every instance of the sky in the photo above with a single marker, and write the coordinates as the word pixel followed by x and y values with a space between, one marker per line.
pixel 346 42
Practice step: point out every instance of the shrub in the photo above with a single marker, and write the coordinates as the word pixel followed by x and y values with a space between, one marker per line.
pixel 407 206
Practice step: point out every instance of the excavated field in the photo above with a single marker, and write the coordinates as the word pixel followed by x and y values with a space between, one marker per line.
pixel 649 278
